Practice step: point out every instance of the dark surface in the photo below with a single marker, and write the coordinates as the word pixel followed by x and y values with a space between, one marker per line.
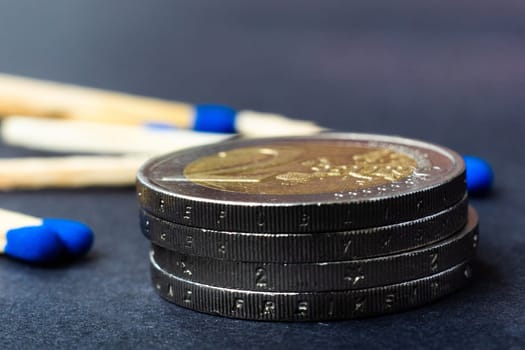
pixel 448 72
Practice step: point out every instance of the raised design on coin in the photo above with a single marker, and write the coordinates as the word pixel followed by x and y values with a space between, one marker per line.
pixel 309 168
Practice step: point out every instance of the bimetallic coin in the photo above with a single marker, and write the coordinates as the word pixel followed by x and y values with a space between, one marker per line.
pixel 304 247
pixel 296 306
pixel 324 276
pixel 326 182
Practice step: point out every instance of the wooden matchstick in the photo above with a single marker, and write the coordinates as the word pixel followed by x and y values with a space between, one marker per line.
pixel 69 172
pixel 25 96
pixel 91 137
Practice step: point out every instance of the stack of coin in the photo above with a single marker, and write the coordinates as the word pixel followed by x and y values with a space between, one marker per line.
pixel 331 226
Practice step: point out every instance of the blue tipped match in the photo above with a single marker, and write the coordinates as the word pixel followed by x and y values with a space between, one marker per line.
pixel 34 244
pixel 75 236
pixel 480 176
pixel 214 118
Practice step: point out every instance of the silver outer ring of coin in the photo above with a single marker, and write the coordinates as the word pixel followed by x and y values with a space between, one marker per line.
pixel 305 247
pixel 163 191
pixel 324 276
pixel 294 306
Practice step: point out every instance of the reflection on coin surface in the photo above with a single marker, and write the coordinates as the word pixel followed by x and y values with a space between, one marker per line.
pixel 300 184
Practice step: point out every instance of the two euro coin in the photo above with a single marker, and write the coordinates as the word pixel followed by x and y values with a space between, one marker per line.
pixel 236 224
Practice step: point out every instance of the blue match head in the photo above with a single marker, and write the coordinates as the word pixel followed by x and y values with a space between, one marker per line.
pixel 34 244
pixel 214 118
pixel 479 175
pixel 75 236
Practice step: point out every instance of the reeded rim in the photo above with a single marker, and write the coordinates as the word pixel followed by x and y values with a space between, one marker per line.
pixel 324 276
pixel 305 247
pixel 308 306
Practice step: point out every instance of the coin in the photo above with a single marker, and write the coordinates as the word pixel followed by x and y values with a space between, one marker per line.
pixel 312 306
pixel 321 183
pixel 304 247
pixel 323 276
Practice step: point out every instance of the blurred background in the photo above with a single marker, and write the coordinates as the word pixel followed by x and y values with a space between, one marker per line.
pixel 414 68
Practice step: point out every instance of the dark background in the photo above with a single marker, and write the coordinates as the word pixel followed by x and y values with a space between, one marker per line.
pixel 450 72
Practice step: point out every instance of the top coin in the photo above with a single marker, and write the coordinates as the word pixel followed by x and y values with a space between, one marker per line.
pixel 326 182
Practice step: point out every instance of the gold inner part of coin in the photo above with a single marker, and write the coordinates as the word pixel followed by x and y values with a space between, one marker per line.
pixel 308 168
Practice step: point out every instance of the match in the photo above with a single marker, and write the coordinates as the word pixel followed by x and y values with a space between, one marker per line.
pixel 75 136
